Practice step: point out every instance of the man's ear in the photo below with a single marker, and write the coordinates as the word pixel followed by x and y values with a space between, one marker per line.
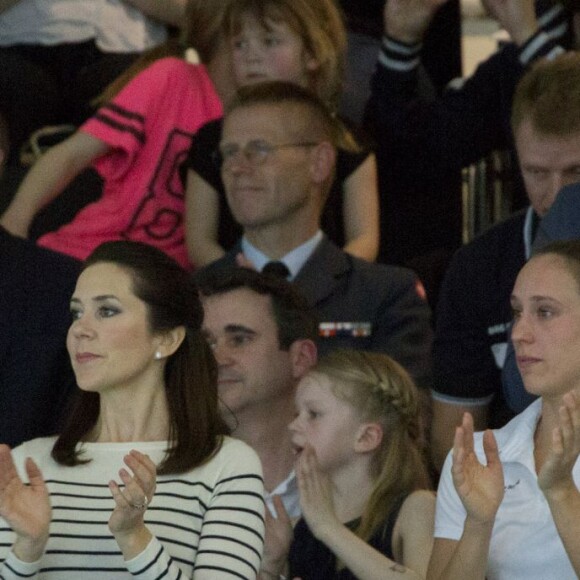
pixel 368 437
pixel 303 356
pixel 323 162
pixel 170 341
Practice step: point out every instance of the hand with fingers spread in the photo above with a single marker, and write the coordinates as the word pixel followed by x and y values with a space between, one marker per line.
pixel 556 473
pixel 315 494
pixel 480 487
pixel 408 20
pixel 26 508
pixel 277 540
pixel 131 501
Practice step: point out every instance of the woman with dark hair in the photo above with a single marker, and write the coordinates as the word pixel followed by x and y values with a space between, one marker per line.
pixel 148 400
pixel 508 504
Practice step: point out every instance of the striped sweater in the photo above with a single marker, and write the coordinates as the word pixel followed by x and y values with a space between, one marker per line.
pixel 207 523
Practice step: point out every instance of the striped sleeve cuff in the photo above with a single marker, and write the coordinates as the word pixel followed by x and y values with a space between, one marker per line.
pixel 13 568
pixel 399 56
pixel 539 45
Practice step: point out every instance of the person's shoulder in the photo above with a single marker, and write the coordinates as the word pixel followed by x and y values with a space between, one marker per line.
pixel 418 504
pixel 171 70
pixel 39 449
pixel 414 522
pixel 234 452
pixel 495 255
pixel 494 240
pixel 371 277
pixel 381 273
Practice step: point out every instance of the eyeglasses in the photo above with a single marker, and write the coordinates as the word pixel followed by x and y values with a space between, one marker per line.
pixel 254 152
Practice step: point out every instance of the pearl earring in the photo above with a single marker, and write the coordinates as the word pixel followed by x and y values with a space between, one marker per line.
pixel 158 355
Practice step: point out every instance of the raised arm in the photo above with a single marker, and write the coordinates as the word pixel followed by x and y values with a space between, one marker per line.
pixel 26 509
pixel 48 177
pixel 361 211
pixel 169 11
pixel 427 137
pixel 201 221
pixel 556 481
pixel 480 488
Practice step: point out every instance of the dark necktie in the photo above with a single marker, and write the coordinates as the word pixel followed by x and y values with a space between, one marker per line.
pixel 278 269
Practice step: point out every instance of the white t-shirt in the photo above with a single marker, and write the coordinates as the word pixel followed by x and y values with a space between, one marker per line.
pixel 524 541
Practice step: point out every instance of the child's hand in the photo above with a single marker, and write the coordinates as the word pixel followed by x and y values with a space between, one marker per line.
pixel 315 494
pixel 556 473
pixel 278 538
pixel 480 487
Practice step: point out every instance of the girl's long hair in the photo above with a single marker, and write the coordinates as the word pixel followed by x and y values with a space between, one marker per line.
pixel 380 390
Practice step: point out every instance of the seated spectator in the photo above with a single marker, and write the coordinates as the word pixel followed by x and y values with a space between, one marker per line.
pixel 508 504
pixel 474 310
pixel 58 55
pixel 422 143
pixel 262 333
pixel 36 378
pixel 277 166
pixel 361 474
pixel 136 142
pixel 562 222
pixel 145 430
pixel 303 42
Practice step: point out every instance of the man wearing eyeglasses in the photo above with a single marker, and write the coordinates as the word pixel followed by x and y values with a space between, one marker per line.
pixel 278 162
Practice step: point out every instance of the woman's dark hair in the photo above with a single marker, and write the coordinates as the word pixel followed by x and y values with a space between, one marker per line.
pixel 195 425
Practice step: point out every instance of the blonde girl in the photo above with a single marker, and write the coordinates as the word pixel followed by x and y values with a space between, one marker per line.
pixel 303 42
pixel 366 511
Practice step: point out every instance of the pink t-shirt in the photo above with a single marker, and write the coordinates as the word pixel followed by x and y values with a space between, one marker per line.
pixel 149 126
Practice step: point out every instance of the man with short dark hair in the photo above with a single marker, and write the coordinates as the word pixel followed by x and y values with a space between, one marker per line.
pixel 262 333
pixel 278 160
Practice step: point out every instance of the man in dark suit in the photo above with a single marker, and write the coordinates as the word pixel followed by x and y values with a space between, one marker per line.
pixel 278 160
pixel 36 378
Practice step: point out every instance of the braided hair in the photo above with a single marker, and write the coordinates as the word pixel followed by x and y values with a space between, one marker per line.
pixel 383 392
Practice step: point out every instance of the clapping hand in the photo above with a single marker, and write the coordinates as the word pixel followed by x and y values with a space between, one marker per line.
pixel 480 487
pixel 315 494
pixel 556 473
pixel 26 508
pixel 132 500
